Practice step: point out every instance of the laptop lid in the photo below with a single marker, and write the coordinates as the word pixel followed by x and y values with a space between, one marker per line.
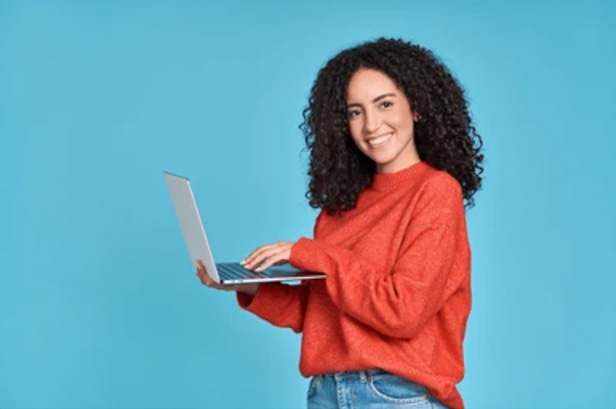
pixel 190 223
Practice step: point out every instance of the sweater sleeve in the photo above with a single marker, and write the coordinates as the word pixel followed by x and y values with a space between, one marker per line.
pixel 279 304
pixel 398 302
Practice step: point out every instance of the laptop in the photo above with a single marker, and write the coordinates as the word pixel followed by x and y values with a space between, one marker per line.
pixel 199 248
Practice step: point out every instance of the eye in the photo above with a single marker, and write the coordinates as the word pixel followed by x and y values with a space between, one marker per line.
pixel 386 104
pixel 353 113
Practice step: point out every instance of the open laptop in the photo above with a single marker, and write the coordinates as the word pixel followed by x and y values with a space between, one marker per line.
pixel 199 248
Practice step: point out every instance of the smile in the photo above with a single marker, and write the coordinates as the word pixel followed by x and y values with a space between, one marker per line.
pixel 379 140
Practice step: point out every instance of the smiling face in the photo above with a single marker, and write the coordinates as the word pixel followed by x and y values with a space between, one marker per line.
pixel 381 121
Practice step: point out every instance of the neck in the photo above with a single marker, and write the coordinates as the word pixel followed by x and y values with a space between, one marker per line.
pixel 410 159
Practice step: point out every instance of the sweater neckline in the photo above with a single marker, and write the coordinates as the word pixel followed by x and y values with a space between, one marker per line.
pixel 387 181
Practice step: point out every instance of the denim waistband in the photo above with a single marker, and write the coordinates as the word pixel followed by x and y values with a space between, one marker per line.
pixel 361 375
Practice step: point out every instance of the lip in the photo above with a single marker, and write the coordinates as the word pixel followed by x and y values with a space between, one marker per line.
pixel 379 136
pixel 378 145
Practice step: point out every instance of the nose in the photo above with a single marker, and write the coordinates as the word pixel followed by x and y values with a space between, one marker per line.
pixel 372 123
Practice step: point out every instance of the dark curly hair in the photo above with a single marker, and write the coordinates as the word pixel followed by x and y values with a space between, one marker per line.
pixel 444 135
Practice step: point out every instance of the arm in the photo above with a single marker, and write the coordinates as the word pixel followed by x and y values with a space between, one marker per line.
pixel 279 304
pixel 399 302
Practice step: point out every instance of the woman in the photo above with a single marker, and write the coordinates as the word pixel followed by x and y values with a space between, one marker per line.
pixel 394 160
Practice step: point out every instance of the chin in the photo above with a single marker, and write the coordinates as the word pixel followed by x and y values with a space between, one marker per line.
pixel 381 160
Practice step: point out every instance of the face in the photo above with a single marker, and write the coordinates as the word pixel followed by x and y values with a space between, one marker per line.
pixel 381 121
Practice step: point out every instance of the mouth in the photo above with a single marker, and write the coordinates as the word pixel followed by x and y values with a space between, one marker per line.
pixel 379 141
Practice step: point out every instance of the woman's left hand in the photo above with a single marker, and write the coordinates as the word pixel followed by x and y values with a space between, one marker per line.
pixel 268 255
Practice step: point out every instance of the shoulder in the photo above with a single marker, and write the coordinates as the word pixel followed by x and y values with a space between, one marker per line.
pixel 439 190
pixel 440 183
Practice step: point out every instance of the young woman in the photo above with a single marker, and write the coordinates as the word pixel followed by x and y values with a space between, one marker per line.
pixel 394 161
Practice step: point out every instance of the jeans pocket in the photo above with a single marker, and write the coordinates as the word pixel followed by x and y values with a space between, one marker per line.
pixel 312 387
pixel 395 389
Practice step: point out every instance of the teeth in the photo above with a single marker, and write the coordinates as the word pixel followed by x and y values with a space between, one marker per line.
pixel 379 141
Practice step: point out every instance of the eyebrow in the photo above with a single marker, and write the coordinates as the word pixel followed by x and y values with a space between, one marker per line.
pixel 357 104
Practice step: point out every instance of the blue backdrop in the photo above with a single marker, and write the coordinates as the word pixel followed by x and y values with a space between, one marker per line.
pixel 99 303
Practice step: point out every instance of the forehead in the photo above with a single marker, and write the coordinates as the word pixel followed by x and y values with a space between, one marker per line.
pixel 367 84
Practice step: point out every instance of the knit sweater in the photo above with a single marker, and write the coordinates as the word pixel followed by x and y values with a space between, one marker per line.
pixel 397 293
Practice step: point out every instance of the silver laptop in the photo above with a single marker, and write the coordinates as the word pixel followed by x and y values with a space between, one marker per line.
pixel 199 248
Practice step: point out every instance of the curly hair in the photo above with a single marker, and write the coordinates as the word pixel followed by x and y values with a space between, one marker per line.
pixel 444 136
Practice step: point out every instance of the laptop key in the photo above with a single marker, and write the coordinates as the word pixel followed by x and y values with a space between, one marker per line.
pixel 236 271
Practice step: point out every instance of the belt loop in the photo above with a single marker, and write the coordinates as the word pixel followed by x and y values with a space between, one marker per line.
pixel 363 375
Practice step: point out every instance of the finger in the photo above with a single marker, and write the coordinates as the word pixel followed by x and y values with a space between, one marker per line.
pixel 200 266
pixel 201 278
pixel 282 253
pixel 264 258
pixel 257 256
pixel 274 258
pixel 207 281
pixel 203 275
pixel 201 270
pixel 212 284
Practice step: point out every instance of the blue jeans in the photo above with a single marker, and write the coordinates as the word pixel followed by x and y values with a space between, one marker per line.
pixel 371 389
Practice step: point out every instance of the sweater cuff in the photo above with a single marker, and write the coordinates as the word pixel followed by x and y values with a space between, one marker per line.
pixel 258 303
pixel 303 254
pixel 249 302
pixel 245 300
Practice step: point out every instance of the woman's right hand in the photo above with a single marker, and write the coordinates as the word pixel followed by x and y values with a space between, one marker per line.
pixel 250 289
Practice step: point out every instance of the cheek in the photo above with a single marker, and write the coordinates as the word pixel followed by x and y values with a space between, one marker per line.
pixel 411 128
pixel 404 124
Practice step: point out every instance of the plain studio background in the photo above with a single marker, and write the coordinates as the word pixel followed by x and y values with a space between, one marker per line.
pixel 99 303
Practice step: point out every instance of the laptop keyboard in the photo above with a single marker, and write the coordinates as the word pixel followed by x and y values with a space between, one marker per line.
pixel 236 271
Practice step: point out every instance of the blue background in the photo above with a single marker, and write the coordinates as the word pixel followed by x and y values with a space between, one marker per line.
pixel 99 304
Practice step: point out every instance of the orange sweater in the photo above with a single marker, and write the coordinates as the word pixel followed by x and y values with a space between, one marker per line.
pixel 397 294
